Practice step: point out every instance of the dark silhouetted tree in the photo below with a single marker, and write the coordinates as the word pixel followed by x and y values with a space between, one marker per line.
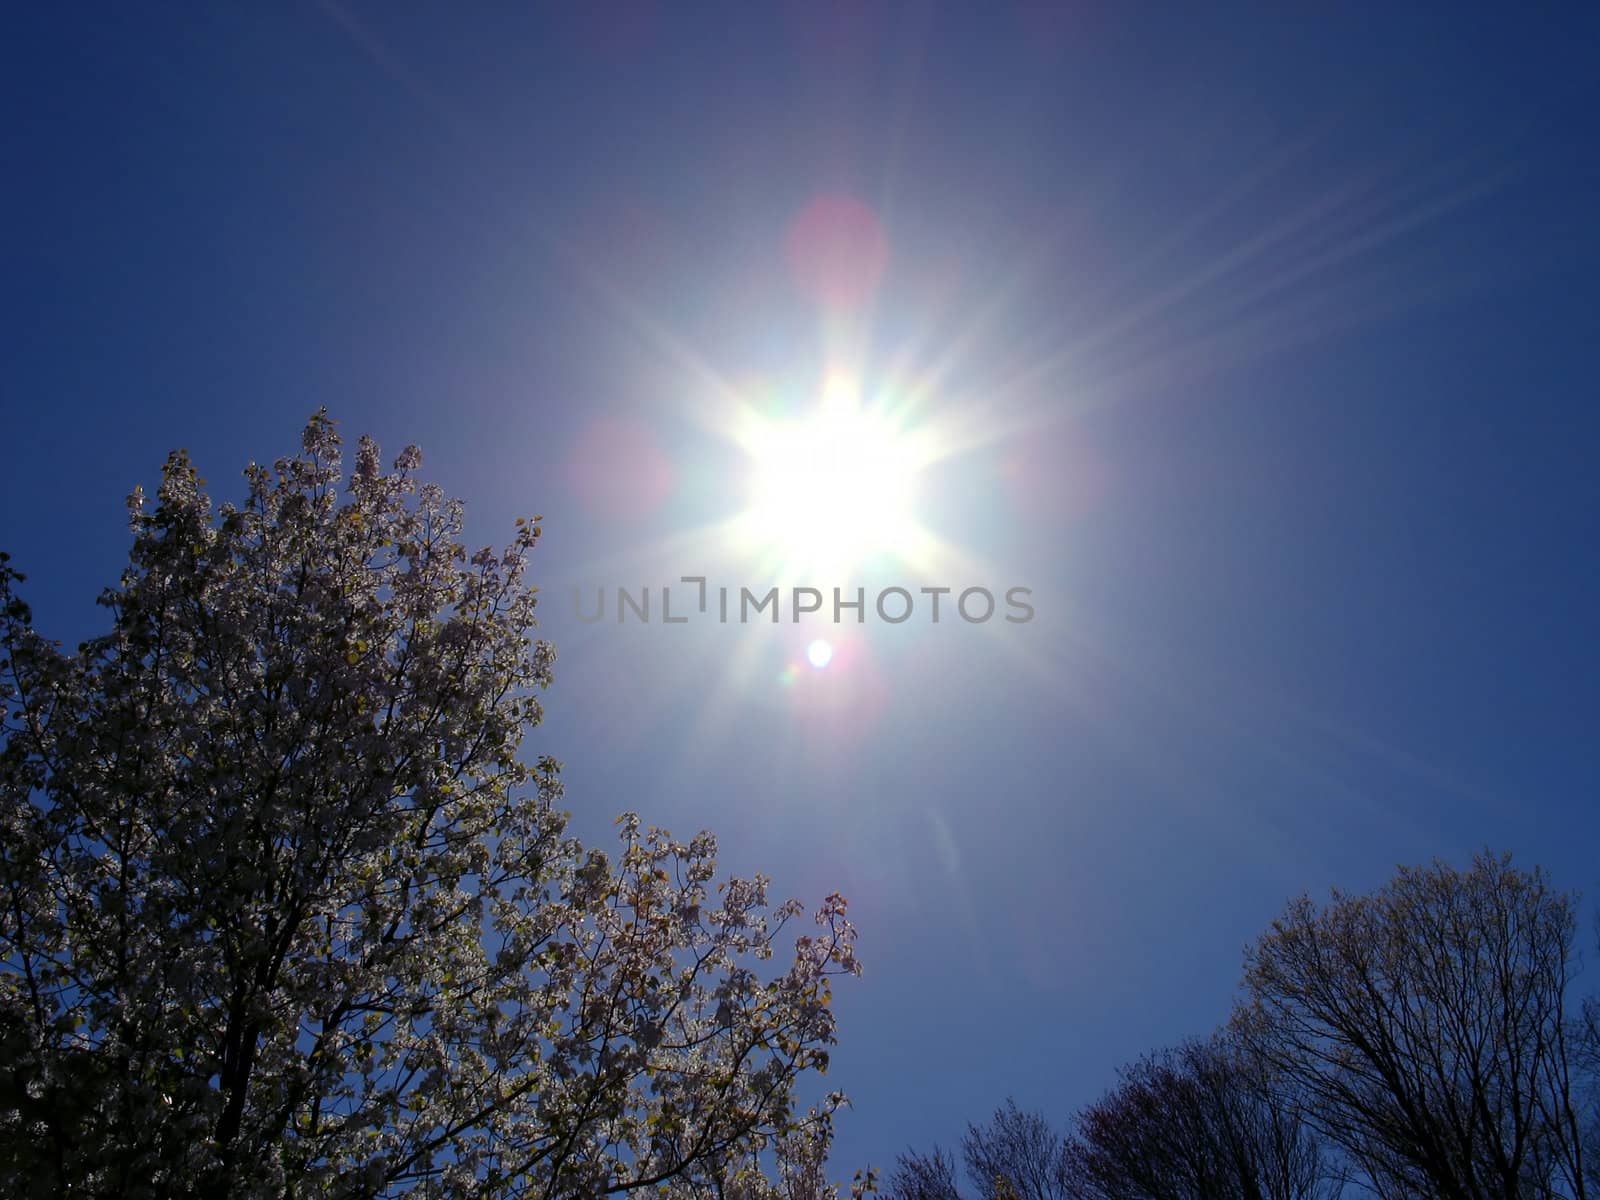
pixel 1586 1038
pixel 1015 1155
pixel 1196 1123
pixel 923 1176
pixel 1427 1026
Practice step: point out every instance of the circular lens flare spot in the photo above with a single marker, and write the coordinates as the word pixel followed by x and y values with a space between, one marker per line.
pixel 819 654
pixel 618 471
pixel 838 250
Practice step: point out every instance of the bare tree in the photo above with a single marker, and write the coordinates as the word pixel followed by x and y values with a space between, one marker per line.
pixel 1427 1026
pixel 1015 1155
pixel 1586 1039
pixel 1197 1123
pixel 919 1176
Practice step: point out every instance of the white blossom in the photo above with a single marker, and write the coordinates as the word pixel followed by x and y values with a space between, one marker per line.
pixel 286 912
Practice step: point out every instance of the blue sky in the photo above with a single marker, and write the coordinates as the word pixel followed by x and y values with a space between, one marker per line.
pixel 1258 343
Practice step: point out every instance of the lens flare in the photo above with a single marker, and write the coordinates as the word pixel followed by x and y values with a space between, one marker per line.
pixel 618 470
pixel 838 250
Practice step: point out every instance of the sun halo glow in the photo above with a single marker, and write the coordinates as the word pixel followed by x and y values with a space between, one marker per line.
pixel 832 488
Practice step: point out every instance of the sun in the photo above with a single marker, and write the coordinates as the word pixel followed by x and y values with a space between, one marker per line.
pixel 833 487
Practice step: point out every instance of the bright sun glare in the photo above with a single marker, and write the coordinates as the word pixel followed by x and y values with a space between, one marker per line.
pixel 833 488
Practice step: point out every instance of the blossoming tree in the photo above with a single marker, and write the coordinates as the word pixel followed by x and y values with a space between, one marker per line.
pixel 284 913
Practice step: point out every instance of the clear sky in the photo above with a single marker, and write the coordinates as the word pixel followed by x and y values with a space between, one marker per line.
pixel 1258 341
